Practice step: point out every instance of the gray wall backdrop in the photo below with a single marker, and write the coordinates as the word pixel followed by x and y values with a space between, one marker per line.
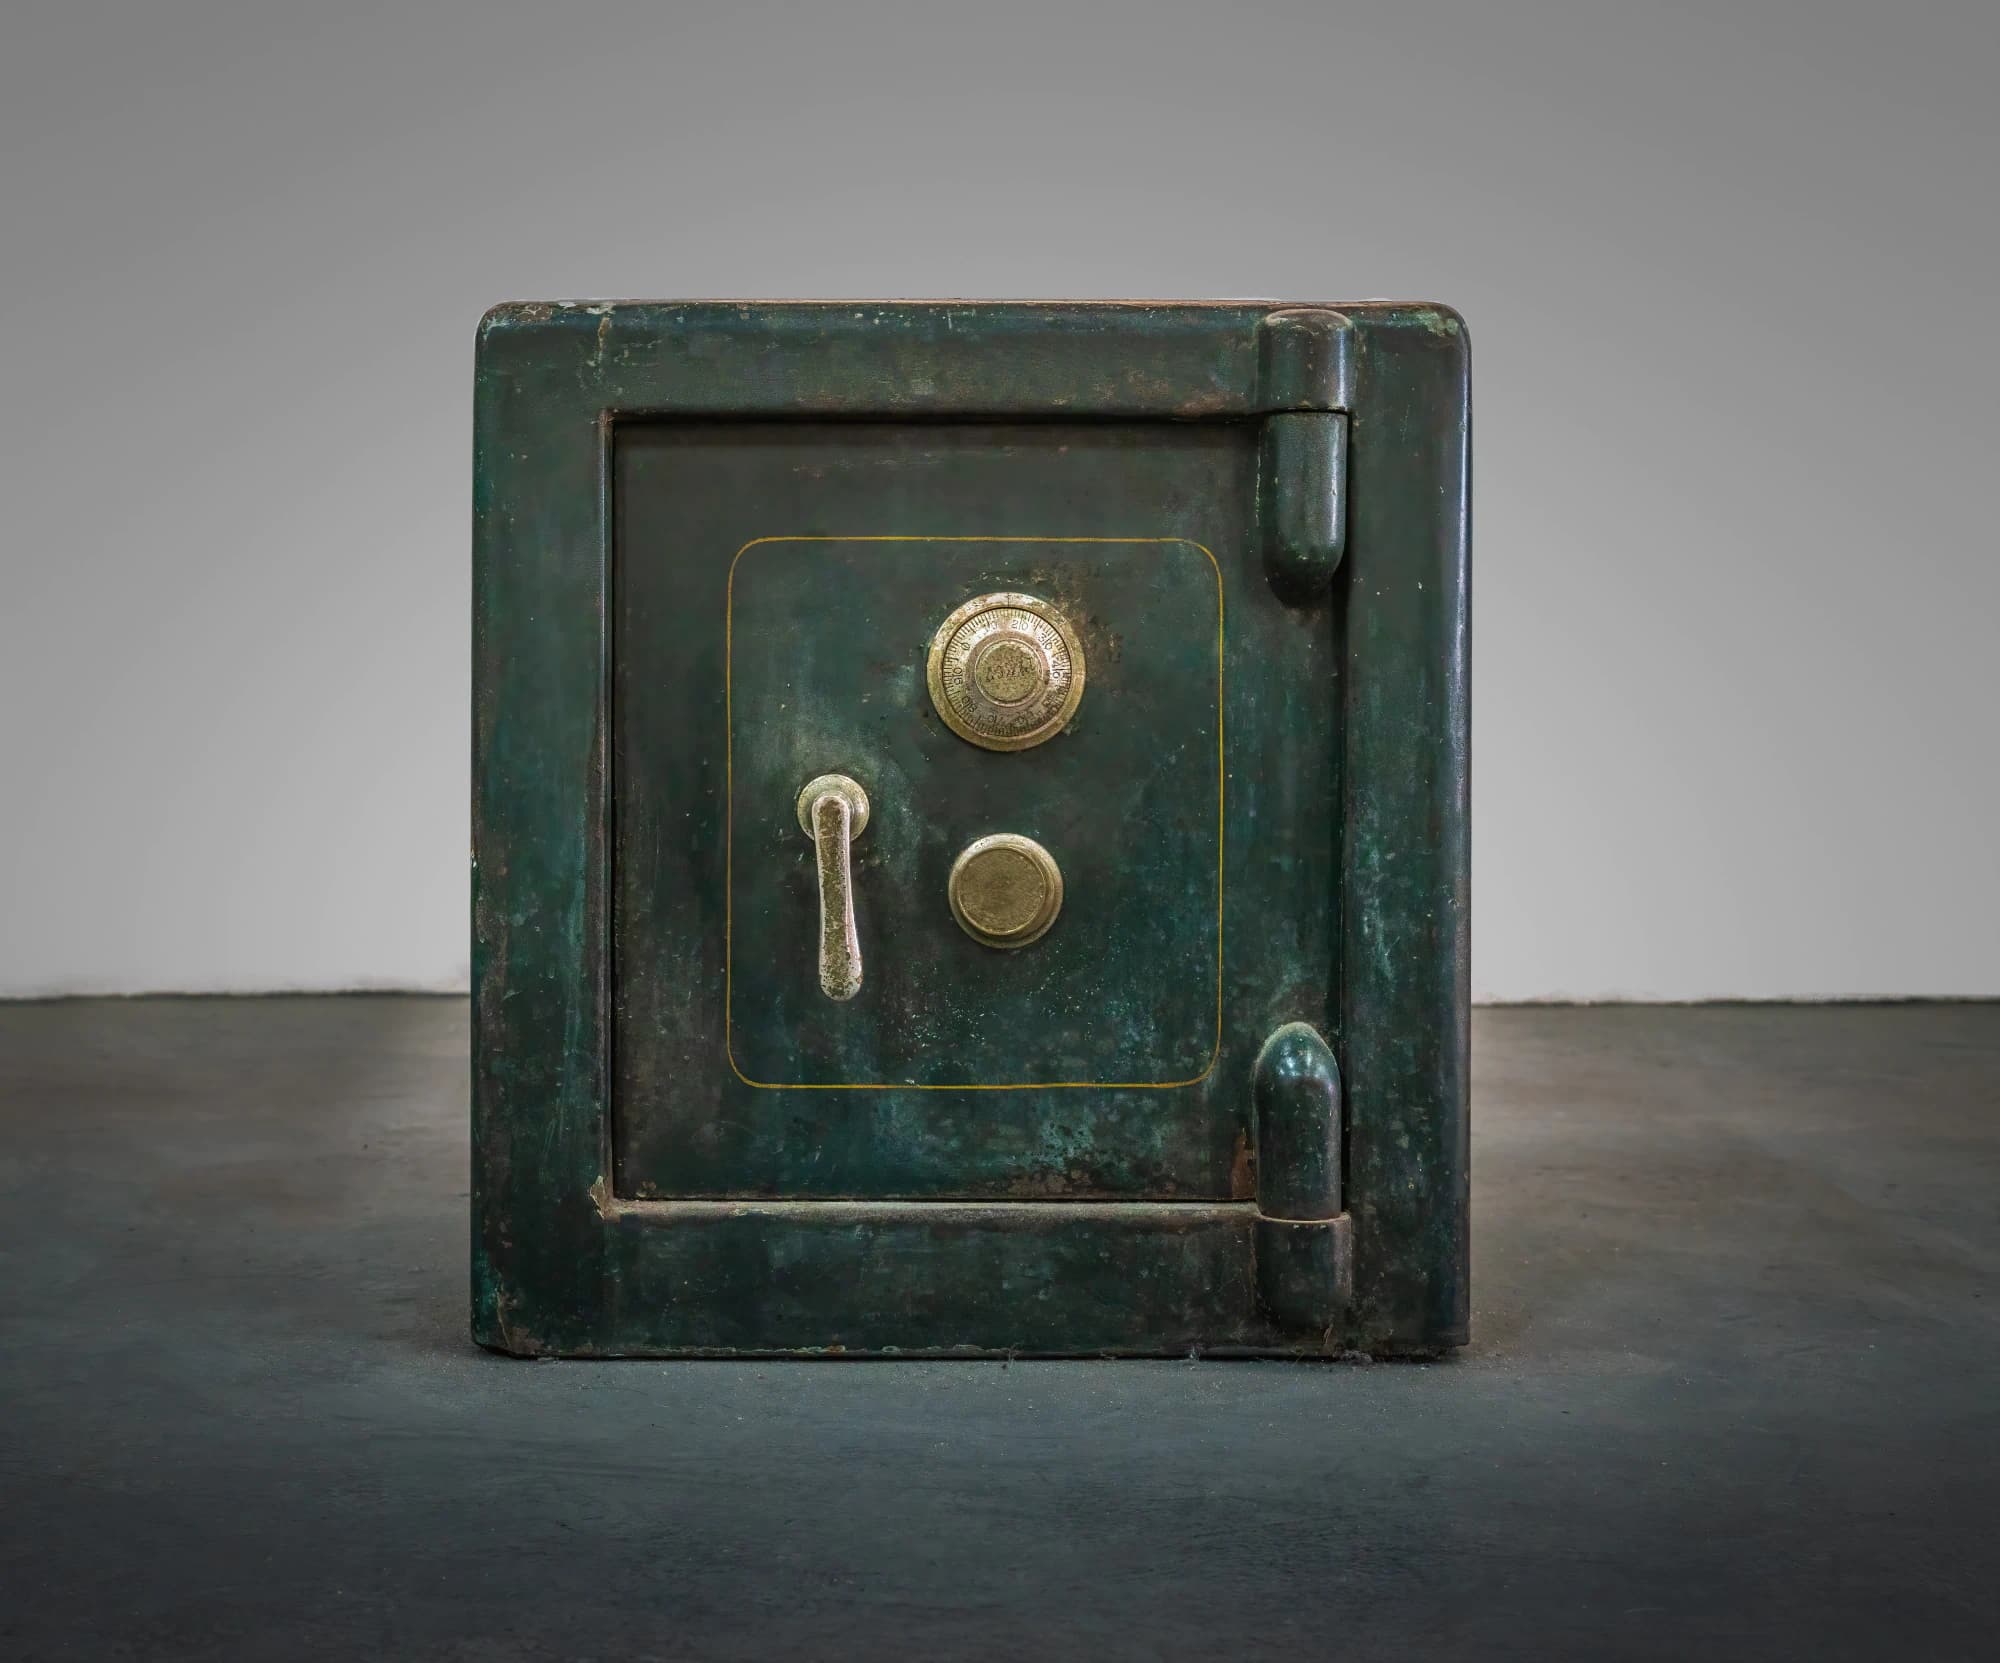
pixel 1730 273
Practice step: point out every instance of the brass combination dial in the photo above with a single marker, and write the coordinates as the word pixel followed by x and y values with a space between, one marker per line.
pixel 1006 671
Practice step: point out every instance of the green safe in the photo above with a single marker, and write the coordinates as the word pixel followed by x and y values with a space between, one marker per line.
pixel 970 829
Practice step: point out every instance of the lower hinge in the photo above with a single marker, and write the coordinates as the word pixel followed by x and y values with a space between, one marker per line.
pixel 1305 1242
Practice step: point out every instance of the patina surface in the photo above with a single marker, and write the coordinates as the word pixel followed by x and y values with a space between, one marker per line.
pixel 634 1189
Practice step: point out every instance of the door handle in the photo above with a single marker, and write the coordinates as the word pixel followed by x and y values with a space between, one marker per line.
pixel 833 812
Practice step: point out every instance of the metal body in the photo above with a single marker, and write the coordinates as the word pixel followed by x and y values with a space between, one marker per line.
pixel 746 570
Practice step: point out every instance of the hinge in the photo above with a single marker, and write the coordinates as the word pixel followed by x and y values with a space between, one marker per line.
pixel 1305 1257
pixel 1305 358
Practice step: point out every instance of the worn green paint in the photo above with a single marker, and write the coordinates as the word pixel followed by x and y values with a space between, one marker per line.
pixel 599 1075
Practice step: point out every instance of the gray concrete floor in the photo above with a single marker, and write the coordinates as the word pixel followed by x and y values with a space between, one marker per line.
pixel 1732 1391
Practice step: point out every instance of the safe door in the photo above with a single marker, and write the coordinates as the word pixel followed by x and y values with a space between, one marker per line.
pixel 972 809
pixel 989 956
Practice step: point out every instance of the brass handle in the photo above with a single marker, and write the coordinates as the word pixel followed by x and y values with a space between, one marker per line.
pixel 833 812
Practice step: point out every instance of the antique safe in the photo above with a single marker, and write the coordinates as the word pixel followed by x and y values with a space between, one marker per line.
pixel 969 829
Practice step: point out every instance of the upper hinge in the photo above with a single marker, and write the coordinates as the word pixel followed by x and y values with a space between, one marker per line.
pixel 1305 375
pixel 1305 359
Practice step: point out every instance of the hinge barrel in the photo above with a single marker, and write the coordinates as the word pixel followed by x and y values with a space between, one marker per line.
pixel 1302 480
pixel 1304 1239
pixel 1305 384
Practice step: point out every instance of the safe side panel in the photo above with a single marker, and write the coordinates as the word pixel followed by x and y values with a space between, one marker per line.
pixel 688 498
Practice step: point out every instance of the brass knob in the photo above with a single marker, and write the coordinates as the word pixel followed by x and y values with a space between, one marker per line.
pixel 1005 890
pixel 833 812
pixel 1006 671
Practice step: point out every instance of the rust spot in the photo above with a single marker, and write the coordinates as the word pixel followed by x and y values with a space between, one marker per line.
pixel 524 311
pixel 1243 1169
pixel 1060 584
pixel 1076 1183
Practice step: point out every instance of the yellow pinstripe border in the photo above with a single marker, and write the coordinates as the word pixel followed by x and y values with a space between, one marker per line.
pixel 729 837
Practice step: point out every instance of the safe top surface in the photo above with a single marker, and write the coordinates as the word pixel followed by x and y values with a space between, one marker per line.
pixel 969 827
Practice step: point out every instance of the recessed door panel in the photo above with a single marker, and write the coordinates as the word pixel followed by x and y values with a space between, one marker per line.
pixel 827 646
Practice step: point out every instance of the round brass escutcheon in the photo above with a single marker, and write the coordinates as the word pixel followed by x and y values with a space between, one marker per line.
pixel 818 786
pixel 1005 890
pixel 1006 671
